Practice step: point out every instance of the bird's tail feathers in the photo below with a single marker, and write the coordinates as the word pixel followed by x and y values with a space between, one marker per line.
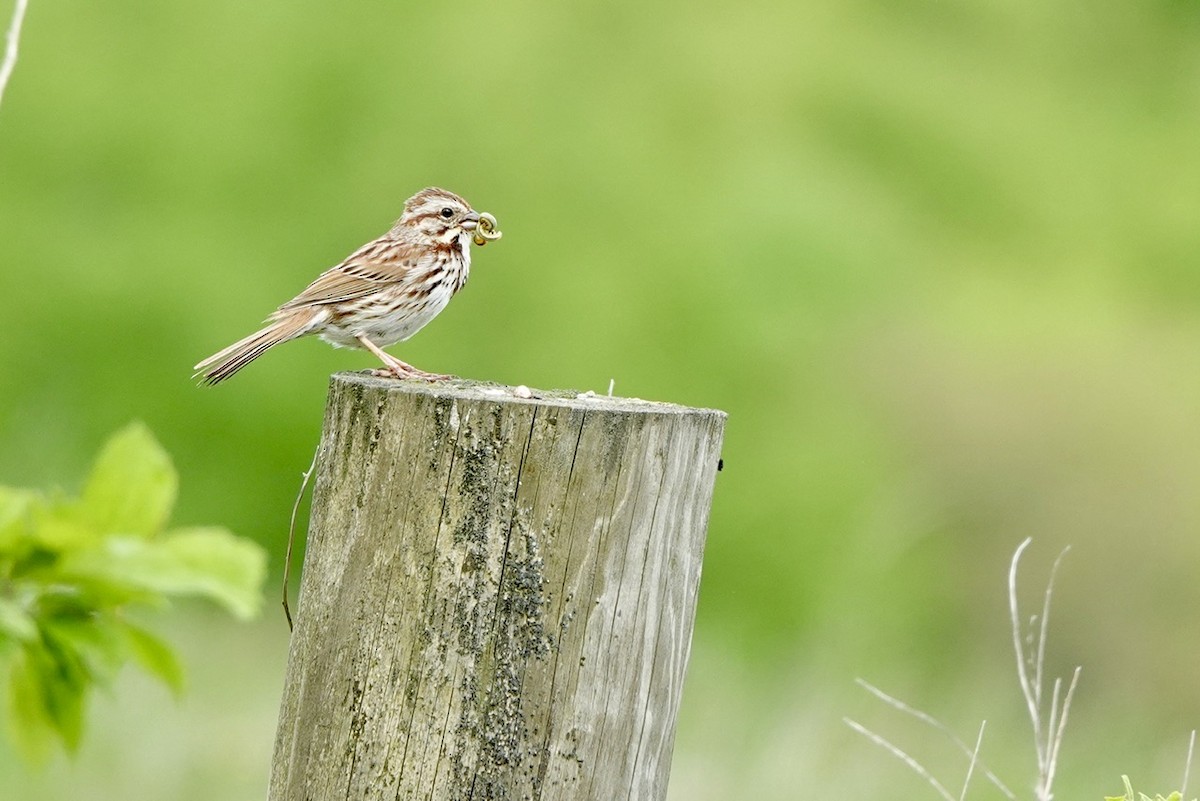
pixel 225 363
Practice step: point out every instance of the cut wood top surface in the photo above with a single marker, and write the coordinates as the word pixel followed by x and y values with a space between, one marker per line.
pixel 467 389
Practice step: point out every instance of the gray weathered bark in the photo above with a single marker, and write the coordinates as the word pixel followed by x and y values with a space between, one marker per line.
pixel 498 595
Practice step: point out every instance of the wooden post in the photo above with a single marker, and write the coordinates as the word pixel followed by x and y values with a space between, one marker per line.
pixel 498 595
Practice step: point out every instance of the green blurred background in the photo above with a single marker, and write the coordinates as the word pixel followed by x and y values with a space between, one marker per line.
pixel 937 260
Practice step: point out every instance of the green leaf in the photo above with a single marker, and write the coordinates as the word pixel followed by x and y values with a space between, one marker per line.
pixel 47 690
pixel 16 509
pixel 132 486
pixel 83 583
pixel 70 568
pixel 155 657
pixel 65 682
pixel 209 562
pixel 214 563
pixel 29 726
pixel 15 622
pixel 1129 795
pixel 61 526
pixel 93 644
pixel 1128 792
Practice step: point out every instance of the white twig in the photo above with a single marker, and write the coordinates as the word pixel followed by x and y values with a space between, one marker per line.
pixel 1056 743
pixel 930 720
pixel 1041 648
pixel 974 758
pixel 1054 696
pixel 1027 688
pixel 10 48
pixel 916 766
pixel 1047 735
pixel 1187 765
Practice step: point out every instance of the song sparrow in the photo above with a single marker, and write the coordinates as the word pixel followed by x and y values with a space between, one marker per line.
pixel 382 294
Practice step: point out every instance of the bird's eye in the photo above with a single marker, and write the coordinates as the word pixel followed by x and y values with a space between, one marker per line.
pixel 447 212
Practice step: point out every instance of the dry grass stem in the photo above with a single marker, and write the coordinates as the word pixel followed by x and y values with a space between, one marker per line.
pixel 1022 668
pixel 1040 661
pixel 11 41
pixel 1048 731
pixel 1187 765
pixel 974 759
pixel 1059 731
pixel 930 720
pixel 916 766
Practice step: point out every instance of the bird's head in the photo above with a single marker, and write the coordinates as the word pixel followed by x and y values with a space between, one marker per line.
pixel 441 216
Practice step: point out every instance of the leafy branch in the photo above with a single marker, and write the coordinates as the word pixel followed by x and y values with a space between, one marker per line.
pixel 73 569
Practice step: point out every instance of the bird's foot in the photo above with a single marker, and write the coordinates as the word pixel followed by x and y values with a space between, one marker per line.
pixel 393 367
pixel 408 371
pixel 430 376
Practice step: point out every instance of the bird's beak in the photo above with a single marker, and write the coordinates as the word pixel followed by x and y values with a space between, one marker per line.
pixel 470 221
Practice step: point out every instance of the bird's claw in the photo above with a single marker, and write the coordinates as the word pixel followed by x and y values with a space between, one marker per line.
pixel 396 372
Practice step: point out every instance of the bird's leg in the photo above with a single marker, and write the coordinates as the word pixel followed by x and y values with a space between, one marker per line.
pixel 395 367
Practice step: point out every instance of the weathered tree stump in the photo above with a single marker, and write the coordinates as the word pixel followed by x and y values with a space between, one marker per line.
pixel 498 595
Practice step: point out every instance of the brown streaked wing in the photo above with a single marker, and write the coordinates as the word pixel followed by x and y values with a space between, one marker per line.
pixel 362 273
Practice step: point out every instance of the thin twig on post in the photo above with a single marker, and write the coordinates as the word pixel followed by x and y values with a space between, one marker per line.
pixel 287 559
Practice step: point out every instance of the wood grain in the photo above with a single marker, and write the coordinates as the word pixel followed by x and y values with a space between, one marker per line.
pixel 498 595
